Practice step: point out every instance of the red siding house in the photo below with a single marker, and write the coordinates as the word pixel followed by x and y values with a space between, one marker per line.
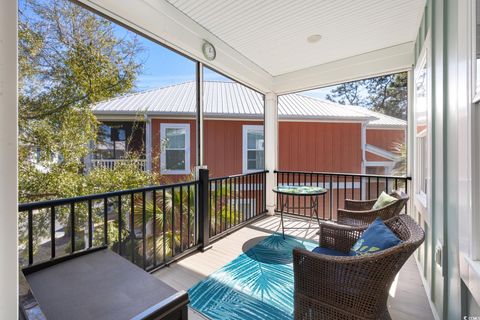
pixel 314 134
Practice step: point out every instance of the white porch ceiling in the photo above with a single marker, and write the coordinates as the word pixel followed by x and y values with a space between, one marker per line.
pixel 264 43
pixel 273 33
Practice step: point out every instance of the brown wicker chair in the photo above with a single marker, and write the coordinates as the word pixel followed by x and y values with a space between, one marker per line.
pixel 345 287
pixel 360 213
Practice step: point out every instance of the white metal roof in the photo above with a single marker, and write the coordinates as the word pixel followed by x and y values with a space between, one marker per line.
pixel 232 100
pixel 382 121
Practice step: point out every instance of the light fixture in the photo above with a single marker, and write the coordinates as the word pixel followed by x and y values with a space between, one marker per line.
pixel 314 38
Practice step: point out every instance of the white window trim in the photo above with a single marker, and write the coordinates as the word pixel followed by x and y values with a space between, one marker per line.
pixel 422 200
pixel 163 128
pixel 386 165
pixel 246 129
pixel 469 213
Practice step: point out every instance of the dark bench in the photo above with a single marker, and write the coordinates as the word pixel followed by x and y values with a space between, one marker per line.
pixel 102 285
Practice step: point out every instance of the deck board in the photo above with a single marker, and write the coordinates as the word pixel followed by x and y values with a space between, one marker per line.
pixel 407 299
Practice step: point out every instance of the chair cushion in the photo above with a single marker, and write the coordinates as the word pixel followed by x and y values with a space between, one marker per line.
pixel 329 252
pixel 383 200
pixel 375 238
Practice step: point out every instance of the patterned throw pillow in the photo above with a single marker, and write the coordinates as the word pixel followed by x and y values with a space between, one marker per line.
pixel 375 238
pixel 384 200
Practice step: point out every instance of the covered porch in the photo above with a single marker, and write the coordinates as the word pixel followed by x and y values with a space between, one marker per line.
pixel 183 232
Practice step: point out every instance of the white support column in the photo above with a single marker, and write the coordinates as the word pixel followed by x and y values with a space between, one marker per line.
pixel 410 138
pixel 200 120
pixel 148 143
pixel 271 146
pixel 8 160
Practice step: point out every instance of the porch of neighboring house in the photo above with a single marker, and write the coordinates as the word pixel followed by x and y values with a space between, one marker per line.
pixel 117 141
pixel 407 297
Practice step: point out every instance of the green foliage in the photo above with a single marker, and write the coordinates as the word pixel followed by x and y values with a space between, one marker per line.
pixel 69 58
pixel 400 167
pixel 223 213
pixel 385 94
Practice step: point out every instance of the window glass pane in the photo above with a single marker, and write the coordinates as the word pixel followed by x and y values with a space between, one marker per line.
pixel 255 160
pixel 175 138
pixel 105 132
pixel 255 140
pixel 121 135
pixel 175 159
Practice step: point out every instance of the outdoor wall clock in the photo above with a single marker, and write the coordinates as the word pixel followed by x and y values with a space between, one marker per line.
pixel 209 51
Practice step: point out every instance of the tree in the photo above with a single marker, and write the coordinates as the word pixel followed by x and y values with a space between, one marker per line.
pixel 385 94
pixel 388 94
pixel 347 93
pixel 69 58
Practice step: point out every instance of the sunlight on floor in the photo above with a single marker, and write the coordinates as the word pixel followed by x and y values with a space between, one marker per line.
pixel 393 288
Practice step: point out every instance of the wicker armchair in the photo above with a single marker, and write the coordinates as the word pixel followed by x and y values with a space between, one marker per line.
pixel 345 287
pixel 360 213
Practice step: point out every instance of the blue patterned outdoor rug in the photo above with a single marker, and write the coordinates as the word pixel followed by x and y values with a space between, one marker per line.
pixel 258 284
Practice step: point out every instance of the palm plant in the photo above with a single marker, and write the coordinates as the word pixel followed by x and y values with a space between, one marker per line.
pixel 222 212
pixel 172 218
pixel 400 166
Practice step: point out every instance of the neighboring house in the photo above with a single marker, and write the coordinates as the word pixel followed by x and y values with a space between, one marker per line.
pixel 314 134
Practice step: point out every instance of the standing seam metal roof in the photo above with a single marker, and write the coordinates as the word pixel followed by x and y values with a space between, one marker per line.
pixel 232 100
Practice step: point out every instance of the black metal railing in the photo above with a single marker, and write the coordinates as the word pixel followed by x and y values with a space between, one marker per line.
pixel 340 186
pixel 151 226
pixel 236 200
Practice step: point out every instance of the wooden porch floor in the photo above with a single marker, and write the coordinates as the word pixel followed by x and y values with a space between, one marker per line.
pixel 407 296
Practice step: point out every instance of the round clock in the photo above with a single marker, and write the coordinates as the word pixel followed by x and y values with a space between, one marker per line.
pixel 208 50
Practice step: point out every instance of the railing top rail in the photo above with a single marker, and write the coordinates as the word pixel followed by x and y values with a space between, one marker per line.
pixel 238 175
pixel 64 201
pixel 344 174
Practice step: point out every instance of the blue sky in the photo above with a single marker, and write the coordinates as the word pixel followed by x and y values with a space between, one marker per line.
pixel 163 67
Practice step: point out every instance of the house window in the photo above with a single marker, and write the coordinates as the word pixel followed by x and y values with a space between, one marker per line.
pixel 253 148
pixel 422 137
pixel 175 156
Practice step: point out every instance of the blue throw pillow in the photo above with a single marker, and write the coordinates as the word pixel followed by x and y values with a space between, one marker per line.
pixel 375 238
pixel 329 252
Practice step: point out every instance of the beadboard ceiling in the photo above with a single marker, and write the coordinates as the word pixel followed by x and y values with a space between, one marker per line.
pixel 273 33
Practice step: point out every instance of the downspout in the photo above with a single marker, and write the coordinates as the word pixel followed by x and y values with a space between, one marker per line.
pixel 364 157
pixel 364 145
pixel 148 143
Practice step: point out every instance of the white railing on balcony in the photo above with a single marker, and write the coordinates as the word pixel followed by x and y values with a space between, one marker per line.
pixel 111 163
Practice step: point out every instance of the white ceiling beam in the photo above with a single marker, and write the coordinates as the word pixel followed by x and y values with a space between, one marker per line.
pixel 161 21
pixel 380 62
